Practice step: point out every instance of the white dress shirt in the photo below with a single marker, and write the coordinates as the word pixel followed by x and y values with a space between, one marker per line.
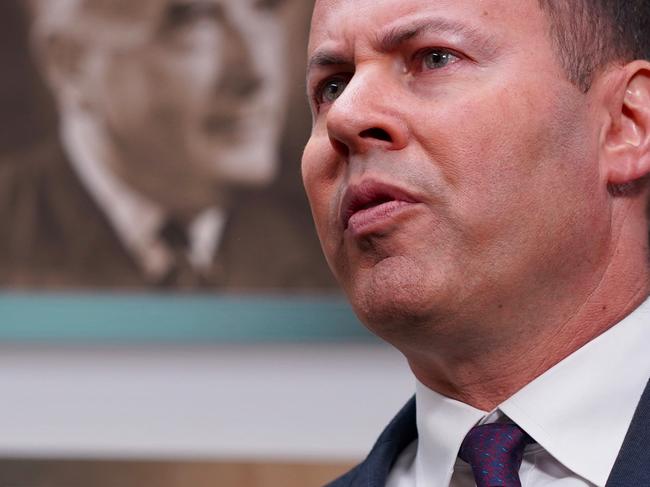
pixel 578 412
pixel 135 219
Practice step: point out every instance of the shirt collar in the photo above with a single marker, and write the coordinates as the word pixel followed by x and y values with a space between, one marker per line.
pixel 442 425
pixel 135 219
pixel 579 410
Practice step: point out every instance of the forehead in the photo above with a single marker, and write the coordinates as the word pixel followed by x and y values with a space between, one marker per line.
pixel 130 10
pixel 122 13
pixel 124 23
pixel 348 22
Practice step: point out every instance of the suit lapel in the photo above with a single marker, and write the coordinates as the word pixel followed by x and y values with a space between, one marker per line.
pixel 632 467
pixel 374 470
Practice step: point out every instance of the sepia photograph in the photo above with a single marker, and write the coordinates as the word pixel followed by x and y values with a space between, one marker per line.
pixel 155 145
pixel 163 293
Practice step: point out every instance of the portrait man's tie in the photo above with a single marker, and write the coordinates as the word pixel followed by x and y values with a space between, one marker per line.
pixel 180 273
pixel 495 452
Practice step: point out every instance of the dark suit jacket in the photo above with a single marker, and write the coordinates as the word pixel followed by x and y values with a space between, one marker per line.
pixel 632 467
pixel 52 234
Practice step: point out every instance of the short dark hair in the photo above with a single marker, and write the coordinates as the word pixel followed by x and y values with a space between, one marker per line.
pixel 591 34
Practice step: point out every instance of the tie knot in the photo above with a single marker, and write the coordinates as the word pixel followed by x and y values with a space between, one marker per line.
pixel 174 234
pixel 495 452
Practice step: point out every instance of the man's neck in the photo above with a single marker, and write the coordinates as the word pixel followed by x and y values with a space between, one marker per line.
pixel 490 364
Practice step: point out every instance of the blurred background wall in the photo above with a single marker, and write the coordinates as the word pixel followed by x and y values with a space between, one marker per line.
pixel 166 317
pixel 28 113
pixel 278 415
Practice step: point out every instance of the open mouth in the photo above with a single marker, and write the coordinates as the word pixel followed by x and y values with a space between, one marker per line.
pixel 370 201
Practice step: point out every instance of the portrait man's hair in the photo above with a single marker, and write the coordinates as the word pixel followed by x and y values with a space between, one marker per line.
pixel 590 34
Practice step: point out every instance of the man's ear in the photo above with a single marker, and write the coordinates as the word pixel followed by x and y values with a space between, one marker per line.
pixel 626 149
pixel 61 60
pixel 59 56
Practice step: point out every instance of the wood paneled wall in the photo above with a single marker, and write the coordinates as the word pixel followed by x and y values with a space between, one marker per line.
pixel 86 473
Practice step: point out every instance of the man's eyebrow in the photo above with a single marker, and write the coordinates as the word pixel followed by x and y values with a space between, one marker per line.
pixel 326 58
pixel 392 39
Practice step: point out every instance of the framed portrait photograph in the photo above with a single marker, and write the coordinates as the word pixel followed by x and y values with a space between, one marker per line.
pixel 154 233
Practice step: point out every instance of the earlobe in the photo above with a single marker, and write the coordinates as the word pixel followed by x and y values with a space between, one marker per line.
pixel 60 56
pixel 627 144
pixel 62 60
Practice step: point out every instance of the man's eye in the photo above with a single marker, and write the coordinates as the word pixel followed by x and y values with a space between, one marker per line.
pixel 186 12
pixel 330 90
pixel 437 58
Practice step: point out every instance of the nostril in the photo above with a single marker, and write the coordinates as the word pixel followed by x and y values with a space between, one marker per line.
pixel 376 133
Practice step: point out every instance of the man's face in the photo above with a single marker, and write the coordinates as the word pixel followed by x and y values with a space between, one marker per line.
pixel 452 167
pixel 197 90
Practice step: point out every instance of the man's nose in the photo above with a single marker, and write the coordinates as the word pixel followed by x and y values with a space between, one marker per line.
pixel 239 75
pixel 366 116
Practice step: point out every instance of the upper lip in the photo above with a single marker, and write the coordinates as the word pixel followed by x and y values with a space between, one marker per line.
pixel 369 193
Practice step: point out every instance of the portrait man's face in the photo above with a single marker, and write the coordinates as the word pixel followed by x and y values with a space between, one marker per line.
pixel 452 166
pixel 186 88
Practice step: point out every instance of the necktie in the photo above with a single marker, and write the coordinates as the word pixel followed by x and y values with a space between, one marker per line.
pixel 495 452
pixel 174 234
pixel 180 273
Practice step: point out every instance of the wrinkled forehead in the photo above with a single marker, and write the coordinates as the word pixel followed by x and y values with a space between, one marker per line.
pixel 347 21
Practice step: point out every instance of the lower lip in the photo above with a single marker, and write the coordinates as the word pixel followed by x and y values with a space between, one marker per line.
pixel 364 222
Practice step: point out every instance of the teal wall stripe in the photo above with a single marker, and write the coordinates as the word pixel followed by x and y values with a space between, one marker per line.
pixel 176 318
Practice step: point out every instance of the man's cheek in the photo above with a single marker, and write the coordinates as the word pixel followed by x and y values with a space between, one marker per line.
pixel 319 203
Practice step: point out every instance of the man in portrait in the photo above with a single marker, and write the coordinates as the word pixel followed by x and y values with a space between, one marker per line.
pixel 171 114
pixel 478 174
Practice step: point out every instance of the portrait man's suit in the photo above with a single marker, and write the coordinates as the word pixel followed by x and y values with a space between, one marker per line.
pixel 54 235
pixel 632 467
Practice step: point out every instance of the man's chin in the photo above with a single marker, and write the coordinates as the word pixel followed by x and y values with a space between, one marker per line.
pixel 393 293
pixel 249 160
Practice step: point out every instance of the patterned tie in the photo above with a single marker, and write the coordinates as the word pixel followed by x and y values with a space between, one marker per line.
pixel 495 452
